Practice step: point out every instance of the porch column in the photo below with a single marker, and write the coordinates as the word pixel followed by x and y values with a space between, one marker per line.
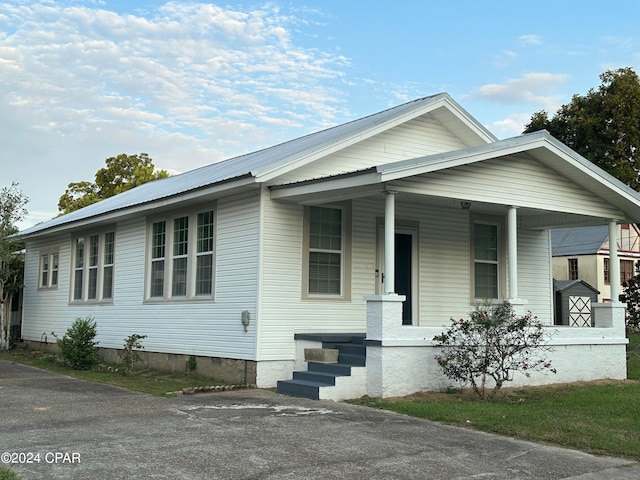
pixel 389 242
pixel 512 248
pixel 614 264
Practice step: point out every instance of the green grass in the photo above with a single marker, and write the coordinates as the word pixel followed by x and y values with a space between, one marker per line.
pixel 596 417
pixel 8 474
pixel 146 381
pixel 633 356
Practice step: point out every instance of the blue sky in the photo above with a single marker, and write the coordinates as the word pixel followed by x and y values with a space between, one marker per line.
pixel 192 83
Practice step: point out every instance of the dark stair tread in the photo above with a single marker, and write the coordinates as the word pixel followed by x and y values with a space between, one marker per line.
pixel 337 369
pixel 326 378
pixel 300 388
pixel 352 347
pixel 352 360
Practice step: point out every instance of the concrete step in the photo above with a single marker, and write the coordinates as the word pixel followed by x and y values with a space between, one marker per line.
pixel 300 388
pixel 352 349
pixel 352 360
pixel 332 368
pixel 330 380
pixel 319 377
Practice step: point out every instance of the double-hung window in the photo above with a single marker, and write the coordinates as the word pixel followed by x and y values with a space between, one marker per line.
pixel 49 269
pixel 327 257
pixel 573 268
pixel 626 270
pixel 487 260
pixel 181 259
pixel 93 263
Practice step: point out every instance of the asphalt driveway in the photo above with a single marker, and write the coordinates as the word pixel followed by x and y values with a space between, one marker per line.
pixel 57 427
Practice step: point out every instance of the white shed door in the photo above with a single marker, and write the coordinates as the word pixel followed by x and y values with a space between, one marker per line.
pixel 579 311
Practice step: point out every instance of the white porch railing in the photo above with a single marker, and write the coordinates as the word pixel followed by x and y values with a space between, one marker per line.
pixel 401 359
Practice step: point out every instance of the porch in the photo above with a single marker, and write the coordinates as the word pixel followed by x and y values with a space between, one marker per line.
pixel 476 223
pixel 395 359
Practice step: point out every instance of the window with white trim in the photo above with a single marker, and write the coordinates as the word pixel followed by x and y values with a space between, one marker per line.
pixel 93 263
pixel 107 268
pixel 49 270
pixel 326 268
pixel 486 260
pixel 181 257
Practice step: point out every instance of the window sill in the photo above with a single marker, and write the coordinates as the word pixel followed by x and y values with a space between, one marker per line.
pixel 91 302
pixel 325 298
pixel 156 301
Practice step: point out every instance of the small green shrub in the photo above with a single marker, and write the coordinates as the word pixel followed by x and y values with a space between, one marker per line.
pixel 192 363
pixel 130 356
pixel 8 474
pixel 78 347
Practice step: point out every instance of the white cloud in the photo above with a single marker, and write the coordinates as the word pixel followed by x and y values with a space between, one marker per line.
pixel 530 39
pixel 532 88
pixel 188 83
pixel 511 126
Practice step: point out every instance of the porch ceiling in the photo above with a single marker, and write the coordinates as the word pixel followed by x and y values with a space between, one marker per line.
pixel 527 217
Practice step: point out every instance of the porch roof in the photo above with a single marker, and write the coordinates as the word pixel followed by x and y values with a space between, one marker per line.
pixel 540 146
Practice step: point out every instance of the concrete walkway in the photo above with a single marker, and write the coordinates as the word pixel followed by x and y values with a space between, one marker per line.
pixel 71 429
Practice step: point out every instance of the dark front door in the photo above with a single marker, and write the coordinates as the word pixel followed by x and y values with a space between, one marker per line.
pixel 403 274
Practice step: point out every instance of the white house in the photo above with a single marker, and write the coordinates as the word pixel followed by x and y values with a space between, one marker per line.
pixel 245 262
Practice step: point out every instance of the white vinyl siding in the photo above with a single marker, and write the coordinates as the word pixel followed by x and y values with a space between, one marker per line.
pixel 513 181
pixel 445 271
pixel 200 327
pixel 417 138
pixel 535 280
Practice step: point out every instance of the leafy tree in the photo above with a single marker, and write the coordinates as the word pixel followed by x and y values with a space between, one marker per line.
pixel 12 210
pixel 491 346
pixel 603 125
pixel 631 290
pixel 122 173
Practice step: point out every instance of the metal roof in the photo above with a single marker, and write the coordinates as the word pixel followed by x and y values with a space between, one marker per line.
pixel 561 285
pixel 245 166
pixel 578 240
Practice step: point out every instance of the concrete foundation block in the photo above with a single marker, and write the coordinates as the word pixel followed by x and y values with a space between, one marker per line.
pixel 321 355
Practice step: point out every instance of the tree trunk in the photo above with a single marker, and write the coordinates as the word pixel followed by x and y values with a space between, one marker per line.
pixel 5 326
pixel 5 320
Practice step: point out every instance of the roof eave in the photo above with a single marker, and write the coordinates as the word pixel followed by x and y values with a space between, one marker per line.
pixel 239 183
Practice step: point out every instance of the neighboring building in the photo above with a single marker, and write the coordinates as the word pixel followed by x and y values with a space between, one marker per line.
pixel 583 253
pixel 313 239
